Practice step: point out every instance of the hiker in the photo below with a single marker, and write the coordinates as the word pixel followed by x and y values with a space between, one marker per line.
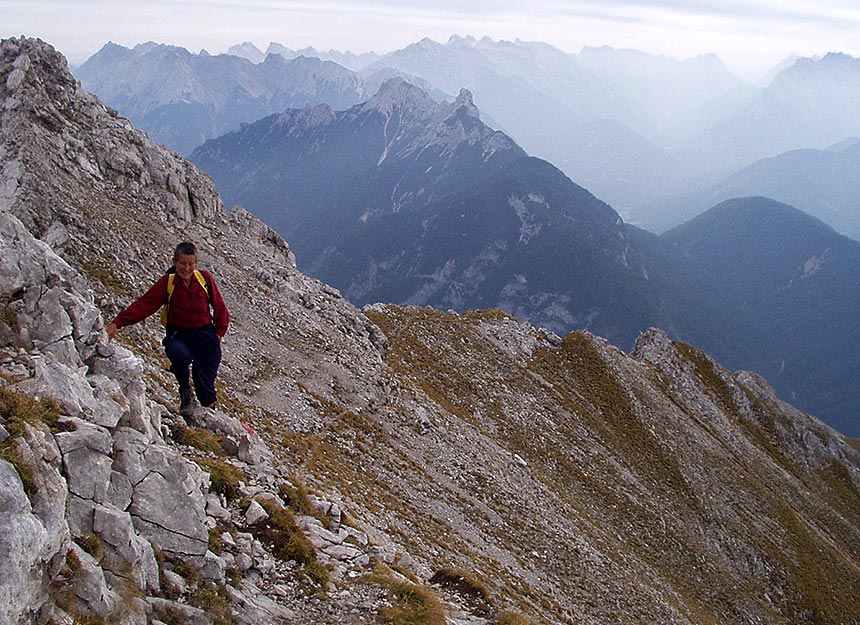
pixel 193 332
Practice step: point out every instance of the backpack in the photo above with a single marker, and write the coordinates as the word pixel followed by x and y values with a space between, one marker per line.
pixel 171 277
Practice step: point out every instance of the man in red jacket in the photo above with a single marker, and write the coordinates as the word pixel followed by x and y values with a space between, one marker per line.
pixel 194 332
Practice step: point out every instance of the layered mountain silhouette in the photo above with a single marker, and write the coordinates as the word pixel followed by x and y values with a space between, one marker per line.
pixel 635 129
pixel 182 99
pixel 822 183
pixel 347 59
pixel 680 97
pixel 401 199
pixel 812 104
pixel 580 112
pixel 599 129
pixel 405 200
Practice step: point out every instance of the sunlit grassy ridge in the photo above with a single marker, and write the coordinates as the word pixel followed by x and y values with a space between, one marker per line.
pixel 629 459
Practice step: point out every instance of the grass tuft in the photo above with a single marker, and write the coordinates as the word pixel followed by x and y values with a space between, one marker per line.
pixel 462 582
pixel 412 605
pixel 199 438
pixel 215 601
pixel 281 532
pixel 18 409
pixel 508 617
pixel 93 545
pixel 226 477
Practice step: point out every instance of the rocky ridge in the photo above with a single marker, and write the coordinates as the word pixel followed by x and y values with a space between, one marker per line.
pixel 525 477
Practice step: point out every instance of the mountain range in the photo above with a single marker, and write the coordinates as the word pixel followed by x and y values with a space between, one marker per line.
pixel 811 104
pixel 347 59
pixel 639 131
pixel 362 467
pixel 823 183
pixel 183 99
pixel 404 200
pixel 401 199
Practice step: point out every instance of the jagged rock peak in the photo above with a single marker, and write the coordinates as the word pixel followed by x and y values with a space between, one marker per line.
pixel 458 40
pixel 466 102
pixel 397 93
pixel 247 50
pixel 148 46
pixel 32 60
pixel 650 343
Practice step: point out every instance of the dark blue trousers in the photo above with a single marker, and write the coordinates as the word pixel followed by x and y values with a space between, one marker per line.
pixel 199 350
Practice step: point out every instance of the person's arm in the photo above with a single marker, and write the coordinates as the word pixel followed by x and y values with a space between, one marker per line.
pixel 221 315
pixel 142 307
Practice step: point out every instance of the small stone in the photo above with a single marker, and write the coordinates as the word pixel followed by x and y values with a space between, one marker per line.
pixel 215 509
pixel 244 562
pixel 176 581
pixel 255 514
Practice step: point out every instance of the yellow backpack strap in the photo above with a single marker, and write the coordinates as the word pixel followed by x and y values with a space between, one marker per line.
pixel 164 309
pixel 199 275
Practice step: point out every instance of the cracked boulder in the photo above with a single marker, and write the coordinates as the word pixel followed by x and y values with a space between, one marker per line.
pixel 168 504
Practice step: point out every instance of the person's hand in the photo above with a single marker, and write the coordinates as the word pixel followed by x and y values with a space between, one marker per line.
pixel 111 330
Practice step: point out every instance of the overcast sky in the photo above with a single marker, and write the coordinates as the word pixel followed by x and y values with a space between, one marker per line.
pixel 749 36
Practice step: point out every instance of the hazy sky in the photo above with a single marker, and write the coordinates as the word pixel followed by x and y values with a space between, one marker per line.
pixel 749 36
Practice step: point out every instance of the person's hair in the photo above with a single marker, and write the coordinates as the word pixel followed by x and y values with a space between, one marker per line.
pixel 185 248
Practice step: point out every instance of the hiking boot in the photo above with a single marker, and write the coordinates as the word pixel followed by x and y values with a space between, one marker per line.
pixel 186 402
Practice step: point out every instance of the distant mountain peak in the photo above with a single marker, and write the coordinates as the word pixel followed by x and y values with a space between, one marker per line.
pixel 458 40
pixel 396 93
pixel 248 51
pixel 465 101
pixel 838 57
pixel 830 62
pixel 280 50
pixel 426 45
pixel 146 46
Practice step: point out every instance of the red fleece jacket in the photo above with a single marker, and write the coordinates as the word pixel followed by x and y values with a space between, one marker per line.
pixel 189 305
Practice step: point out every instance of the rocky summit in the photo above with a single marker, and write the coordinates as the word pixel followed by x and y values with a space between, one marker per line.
pixel 385 465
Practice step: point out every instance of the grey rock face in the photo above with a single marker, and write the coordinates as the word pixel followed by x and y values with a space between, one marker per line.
pixel 91 587
pixel 48 317
pixel 21 536
pixel 239 439
pixel 111 153
pixel 116 529
pixel 87 461
pixel 255 514
pixel 168 502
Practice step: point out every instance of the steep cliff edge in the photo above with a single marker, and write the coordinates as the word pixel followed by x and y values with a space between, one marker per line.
pixel 359 459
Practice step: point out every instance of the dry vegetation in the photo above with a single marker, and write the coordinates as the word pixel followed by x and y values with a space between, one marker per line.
pixel 592 439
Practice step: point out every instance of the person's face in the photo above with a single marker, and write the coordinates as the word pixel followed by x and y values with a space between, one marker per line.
pixel 185 265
